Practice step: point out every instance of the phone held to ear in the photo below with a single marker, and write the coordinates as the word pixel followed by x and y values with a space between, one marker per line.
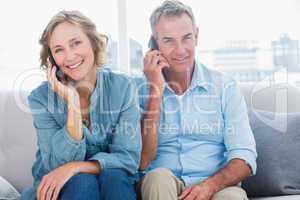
pixel 152 43
pixel 59 74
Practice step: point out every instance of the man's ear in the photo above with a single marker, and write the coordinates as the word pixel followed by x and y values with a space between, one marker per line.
pixel 196 34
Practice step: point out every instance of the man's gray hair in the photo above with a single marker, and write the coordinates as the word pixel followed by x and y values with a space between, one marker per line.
pixel 170 8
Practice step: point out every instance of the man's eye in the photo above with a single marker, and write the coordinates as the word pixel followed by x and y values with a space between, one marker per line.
pixel 77 42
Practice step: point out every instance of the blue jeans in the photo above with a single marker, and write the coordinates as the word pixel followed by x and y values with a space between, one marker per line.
pixel 111 184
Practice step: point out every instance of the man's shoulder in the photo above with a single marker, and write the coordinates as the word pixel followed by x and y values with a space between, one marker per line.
pixel 215 77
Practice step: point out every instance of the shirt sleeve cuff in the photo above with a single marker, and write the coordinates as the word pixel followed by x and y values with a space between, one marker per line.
pixel 246 155
pixel 100 160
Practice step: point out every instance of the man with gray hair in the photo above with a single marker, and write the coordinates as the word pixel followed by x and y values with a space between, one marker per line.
pixel 197 142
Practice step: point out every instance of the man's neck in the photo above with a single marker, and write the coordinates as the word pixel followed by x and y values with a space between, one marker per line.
pixel 179 81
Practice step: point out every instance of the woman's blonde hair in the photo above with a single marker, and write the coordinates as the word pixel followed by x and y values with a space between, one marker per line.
pixel 98 41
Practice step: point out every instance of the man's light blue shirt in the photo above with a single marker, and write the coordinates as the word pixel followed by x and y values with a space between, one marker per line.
pixel 203 129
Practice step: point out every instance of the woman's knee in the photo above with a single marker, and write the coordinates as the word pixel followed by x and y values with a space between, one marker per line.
pixel 81 186
pixel 86 180
pixel 116 184
pixel 114 176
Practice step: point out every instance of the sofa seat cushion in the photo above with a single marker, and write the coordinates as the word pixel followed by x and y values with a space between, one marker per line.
pixel 288 197
pixel 7 191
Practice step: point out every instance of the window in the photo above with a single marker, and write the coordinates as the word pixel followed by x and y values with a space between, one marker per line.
pixel 249 40
pixel 246 39
pixel 22 23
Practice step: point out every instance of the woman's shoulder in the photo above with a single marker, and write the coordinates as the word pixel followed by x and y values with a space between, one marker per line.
pixel 40 92
pixel 116 81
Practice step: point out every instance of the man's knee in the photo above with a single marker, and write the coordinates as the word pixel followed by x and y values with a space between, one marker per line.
pixel 159 179
pixel 231 193
pixel 160 184
pixel 157 176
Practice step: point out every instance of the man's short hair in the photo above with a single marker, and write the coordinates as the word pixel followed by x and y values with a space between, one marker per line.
pixel 170 8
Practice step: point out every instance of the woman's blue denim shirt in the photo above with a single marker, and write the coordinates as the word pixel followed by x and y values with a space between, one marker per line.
pixel 114 139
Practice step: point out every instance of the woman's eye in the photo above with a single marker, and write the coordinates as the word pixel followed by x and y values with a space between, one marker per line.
pixel 57 50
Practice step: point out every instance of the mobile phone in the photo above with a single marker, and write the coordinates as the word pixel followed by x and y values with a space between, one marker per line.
pixel 152 44
pixel 59 74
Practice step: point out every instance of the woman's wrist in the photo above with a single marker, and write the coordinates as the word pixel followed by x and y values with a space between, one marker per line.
pixel 73 100
pixel 90 167
pixel 74 167
pixel 74 123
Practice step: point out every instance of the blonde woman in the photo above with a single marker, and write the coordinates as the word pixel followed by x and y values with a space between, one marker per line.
pixel 86 118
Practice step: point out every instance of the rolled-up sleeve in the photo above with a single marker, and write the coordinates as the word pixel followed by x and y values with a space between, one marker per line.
pixel 54 142
pixel 124 151
pixel 238 136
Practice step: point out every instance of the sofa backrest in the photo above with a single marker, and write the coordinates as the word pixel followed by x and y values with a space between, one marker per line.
pixel 18 137
pixel 274 98
pixel 275 121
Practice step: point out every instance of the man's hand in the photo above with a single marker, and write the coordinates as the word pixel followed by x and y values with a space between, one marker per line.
pixel 202 191
pixel 154 62
pixel 53 182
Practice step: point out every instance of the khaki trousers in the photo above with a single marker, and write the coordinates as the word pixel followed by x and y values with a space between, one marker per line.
pixel 161 184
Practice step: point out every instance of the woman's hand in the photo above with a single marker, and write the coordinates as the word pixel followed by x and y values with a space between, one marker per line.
pixel 53 182
pixel 63 89
pixel 71 96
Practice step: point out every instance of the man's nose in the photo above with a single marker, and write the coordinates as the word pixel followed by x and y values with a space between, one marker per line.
pixel 179 49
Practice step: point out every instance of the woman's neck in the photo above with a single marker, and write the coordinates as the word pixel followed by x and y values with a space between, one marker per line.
pixel 86 86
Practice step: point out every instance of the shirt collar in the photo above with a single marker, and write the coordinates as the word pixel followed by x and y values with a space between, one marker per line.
pixel 200 77
pixel 98 90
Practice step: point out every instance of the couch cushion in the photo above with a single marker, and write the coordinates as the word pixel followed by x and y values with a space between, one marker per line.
pixel 278 145
pixel 7 191
pixel 274 97
pixel 17 139
pixel 289 197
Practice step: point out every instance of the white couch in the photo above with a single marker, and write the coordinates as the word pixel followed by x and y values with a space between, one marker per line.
pixel 18 138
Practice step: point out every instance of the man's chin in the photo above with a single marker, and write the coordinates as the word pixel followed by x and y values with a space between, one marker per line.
pixel 179 68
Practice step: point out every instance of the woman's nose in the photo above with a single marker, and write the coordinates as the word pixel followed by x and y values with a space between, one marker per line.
pixel 70 55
